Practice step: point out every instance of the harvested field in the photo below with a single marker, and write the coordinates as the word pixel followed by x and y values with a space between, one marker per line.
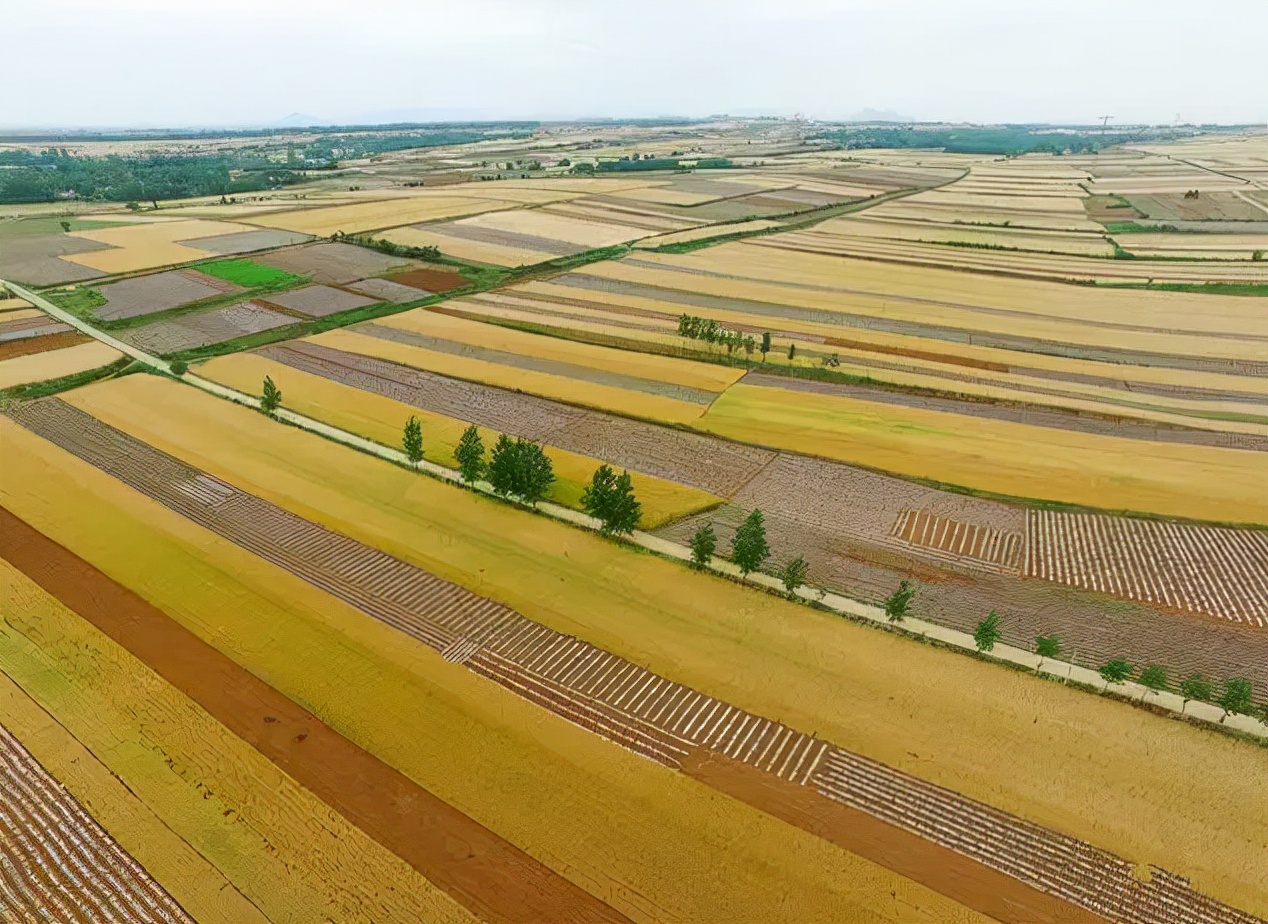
pixel 704 650
pixel 433 280
pixel 37 259
pixel 647 713
pixel 1198 569
pixel 385 290
pixel 707 231
pixel 131 298
pixel 379 416
pixel 596 390
pixel 1201 246
pixel 146 244
pixel 38 325
pixel 970 543
pixel 248 241
pixel 999 456
pixel 332 263
pixel 57 863
pixel 55 363
pixel 204 328
pixel 463 249
pixel 318 301
pixel 371 216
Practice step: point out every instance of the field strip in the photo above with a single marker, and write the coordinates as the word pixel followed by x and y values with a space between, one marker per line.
pixel 628 704
pixel 57 863
pixel 496 880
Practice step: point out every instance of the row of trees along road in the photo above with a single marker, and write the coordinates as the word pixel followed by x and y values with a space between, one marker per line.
pixel 520 468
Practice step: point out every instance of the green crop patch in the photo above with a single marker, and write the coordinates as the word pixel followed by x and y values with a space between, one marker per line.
pixel 249 274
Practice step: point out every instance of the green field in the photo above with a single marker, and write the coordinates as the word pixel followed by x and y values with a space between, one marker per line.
pixel 249 274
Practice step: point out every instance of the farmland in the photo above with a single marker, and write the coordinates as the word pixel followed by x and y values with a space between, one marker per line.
pixel 1004 416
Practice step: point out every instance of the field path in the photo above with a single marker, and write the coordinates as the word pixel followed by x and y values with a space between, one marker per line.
pixel 489 875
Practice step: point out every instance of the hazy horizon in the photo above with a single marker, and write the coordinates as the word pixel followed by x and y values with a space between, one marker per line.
pixel 149 64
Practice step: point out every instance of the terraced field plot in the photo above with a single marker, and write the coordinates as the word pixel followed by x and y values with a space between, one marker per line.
pixel 332 263
pixel 144 244
pixel 54 363
pixel 359 217
pixel 317 301
pixel 772 639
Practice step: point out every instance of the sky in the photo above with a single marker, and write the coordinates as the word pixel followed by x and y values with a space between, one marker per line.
pixel 181 63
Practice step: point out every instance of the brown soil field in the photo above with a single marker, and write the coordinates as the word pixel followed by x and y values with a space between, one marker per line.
pixel 433 280
pixel 248 241
pixel 40 325
pixel 332 263
pixel 203 328
pixel 318 300
pixel 57 863
pixel 130 298
pixel 36 260
pixel 493 878
pixel 11 349
pixel 1211 206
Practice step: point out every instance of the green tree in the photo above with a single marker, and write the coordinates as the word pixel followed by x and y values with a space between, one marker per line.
pixel 1116 670
pixel 470 455
pixel 596 499
pixel 1195 686
pixel 987 632
pixel 1154 676
pixel 502 465
pixel 1048 646
pixel 703 544
pixel 765 344
pixel 792 351
pixel 412 440
pixel 624 510
pixel 1236 697
pixel 179 368
pixel 794 574
pixel 270 397
pixel 897 603
pixel 520 468
pixel 749 548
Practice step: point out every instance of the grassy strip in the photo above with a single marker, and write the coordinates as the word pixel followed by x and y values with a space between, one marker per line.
pixel 122 366
pixel 1253 289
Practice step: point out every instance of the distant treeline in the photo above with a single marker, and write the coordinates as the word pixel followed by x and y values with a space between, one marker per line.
pixel 663 163
pixel 994 139
pixel 53 174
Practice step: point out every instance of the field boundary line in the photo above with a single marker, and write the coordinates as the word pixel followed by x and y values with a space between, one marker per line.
pixel 1206 713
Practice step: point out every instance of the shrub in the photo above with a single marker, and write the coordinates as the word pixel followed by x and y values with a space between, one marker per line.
pixel 794 574
pixel 1116 670
pixel 703 544
pixel 749 548
pixel 179 368
pixel 1048 646
pixel 899 601
pixel 1195 686
pixel 1236 697
pixel 987 632
pixel 1154 676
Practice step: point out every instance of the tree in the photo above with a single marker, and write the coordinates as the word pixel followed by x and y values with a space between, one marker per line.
pixel 1236 697
pixel 412 440
pixel 749 548
pixel 1116 670
pixel 519 467
pixel 703 544
pixel 65 225
pixel 178 368
pixel 270 397
pixel 624 510
pixel 470 455
pixel 1195 686
pixel 502 465
pixel 792 351
pixel 987 632
pixel 765 344
pixel 794 574
pixel 897 603
pixel 1154 677
pixel 1048 646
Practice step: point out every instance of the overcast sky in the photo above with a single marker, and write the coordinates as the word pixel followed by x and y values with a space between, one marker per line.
pixel 240 62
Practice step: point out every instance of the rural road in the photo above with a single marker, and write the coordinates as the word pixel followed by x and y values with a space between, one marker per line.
pixel 837 603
